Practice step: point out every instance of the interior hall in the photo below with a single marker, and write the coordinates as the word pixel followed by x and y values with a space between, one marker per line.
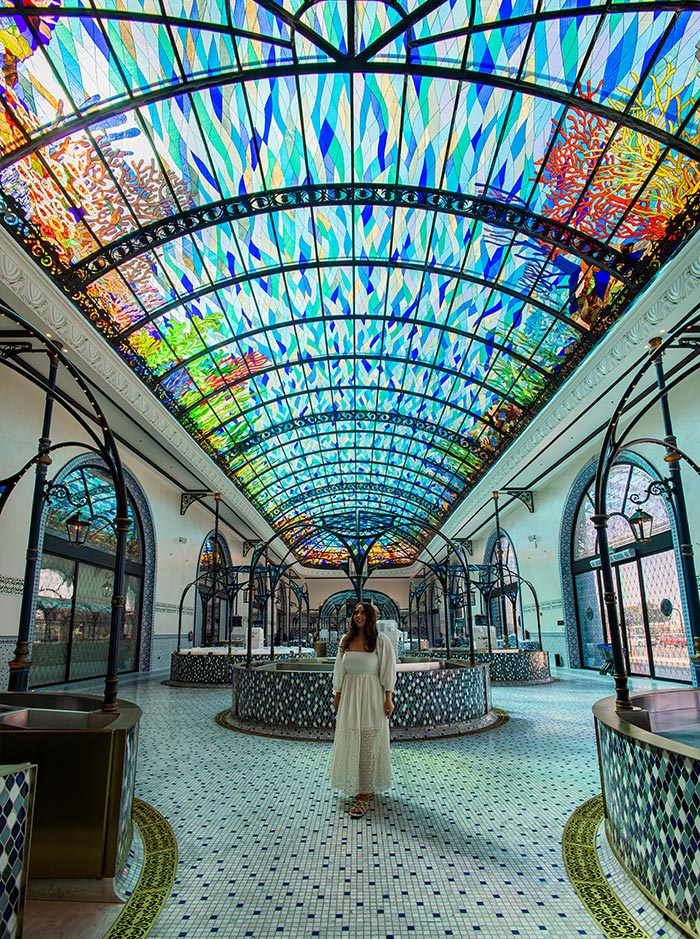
pixel 349 469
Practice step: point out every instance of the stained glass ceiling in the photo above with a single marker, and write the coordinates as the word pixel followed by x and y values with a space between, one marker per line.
pixel 352 247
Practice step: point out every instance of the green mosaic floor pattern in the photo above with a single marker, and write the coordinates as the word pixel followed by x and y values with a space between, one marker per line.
pixel 157 875
pixel 587 877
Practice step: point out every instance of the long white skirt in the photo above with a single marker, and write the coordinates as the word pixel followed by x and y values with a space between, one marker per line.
pixel 360 760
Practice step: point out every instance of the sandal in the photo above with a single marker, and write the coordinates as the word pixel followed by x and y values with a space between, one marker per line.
pixel 359 808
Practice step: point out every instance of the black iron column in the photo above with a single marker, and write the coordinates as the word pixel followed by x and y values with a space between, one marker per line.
pixel 20 665
pixel 122 526
pixel 678 498
pixel 501 582
pixel 600 521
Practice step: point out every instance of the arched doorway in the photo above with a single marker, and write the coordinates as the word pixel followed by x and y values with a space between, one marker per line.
pixel 73 594
pixel 652 615
pixel 337 609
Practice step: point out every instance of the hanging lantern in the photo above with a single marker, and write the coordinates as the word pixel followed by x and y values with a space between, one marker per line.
pixel 642 524
pixel 77 528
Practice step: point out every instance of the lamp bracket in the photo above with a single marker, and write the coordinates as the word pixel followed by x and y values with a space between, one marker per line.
pixel 54 490
pixel 659 487
pixel 10 349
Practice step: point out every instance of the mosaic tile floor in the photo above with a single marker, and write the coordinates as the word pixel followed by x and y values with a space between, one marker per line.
pixel 467 842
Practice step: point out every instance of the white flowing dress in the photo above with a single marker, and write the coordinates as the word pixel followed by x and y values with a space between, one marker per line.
pixel 360 760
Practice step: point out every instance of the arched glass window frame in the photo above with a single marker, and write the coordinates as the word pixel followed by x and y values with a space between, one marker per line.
pixel 336 602
pixel 226 561
pixel 144 516
pixel 489 552
pixel 572 506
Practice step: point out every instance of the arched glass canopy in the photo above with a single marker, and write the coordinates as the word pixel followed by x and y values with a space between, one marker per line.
pixel 352 247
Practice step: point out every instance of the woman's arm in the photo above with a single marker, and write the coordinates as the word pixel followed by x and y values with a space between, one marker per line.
pixel 387 664
pixel 338 675
pixel 388 703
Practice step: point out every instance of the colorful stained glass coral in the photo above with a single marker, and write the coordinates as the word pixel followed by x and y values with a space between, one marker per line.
pixel 353 247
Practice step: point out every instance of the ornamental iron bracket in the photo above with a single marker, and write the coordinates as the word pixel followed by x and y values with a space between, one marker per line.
pixel 194 495
pixel 466 544
pixel 525 496
pixel 249 546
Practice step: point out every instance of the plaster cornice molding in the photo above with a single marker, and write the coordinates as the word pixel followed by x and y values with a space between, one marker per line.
pixel 661 306
pixel 26 288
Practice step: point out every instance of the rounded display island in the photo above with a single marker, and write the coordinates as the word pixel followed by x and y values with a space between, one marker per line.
pixel 514 666
pixel 650 768
pixel 293 698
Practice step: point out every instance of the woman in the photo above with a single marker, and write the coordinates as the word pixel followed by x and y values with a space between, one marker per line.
pixel 363 682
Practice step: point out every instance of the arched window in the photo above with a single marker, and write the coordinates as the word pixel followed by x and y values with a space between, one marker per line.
pixel 212 625
pixel 337 609
pixel 503 598
pixel 74 597
pixel 652 619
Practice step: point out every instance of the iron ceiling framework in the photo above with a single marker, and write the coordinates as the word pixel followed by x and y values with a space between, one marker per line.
pixel 352 246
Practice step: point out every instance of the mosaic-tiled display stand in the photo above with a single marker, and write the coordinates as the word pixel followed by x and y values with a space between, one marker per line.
pixel 441 695
pixel 516 666
pixel 17 785
pixel 651 787
pixel 86 761
pixel 215 667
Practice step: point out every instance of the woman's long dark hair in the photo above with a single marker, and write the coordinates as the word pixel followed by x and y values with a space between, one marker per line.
pixel 370 628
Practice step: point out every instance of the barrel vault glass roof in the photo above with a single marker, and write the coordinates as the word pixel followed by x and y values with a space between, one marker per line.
pixel 353 247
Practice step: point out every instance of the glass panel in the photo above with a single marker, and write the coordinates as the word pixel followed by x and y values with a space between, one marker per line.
pixel 93 610
pixel 585 537
pixel 590 619
pixel 632 612
pixel 668 631
pixel 89 492
pixel 129 640
pixel 52 623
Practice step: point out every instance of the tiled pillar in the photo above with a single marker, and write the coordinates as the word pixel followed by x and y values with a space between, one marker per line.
pixel 16 806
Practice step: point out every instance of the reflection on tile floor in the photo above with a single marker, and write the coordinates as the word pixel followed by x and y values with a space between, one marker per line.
pixel 467 842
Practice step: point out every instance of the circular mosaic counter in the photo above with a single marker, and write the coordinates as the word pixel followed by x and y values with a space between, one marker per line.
pixel 295 699
pixel 214 666
pixel 650 767
pixel 507 666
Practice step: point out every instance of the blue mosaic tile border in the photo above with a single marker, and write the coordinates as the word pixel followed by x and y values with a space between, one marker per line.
pixel 215 669
pixel 303 699
pixel 17 786
pixel 652 798
pixel 520 666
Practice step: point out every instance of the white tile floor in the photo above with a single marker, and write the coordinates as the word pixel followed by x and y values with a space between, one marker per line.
pixel 467 842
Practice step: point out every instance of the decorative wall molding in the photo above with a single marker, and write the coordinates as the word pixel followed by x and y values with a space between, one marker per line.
pixel 11 585
pixel 544 605
pixel 173 608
